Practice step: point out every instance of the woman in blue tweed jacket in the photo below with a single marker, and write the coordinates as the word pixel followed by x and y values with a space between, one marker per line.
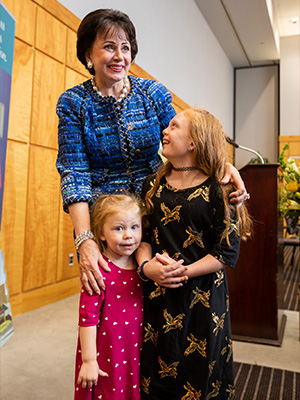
pixel 109 130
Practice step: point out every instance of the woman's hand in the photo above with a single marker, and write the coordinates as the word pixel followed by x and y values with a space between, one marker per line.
pixel 165 271
pixel 89 260
pixel 90 257
pixel 88 374
pixel 233 175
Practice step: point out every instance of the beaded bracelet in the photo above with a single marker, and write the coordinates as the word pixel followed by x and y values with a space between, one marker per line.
pixel 82 237
pixel 140 271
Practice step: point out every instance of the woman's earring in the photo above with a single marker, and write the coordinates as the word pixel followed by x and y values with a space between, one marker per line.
pixel 190 148
pixel 90 64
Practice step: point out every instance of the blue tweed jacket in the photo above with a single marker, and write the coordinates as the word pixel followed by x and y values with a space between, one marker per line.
pixel 104 148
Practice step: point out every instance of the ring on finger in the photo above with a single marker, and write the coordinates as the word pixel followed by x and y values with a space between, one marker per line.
pixel 248 196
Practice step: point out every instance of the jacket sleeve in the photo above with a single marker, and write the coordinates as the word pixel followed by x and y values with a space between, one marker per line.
pixel 72 161
pixel 162 100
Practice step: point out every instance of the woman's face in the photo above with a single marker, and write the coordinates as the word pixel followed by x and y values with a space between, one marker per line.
pixel 111 57
pixel 177 140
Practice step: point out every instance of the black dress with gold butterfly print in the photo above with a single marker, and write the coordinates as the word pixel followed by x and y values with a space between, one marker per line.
pixel 187 346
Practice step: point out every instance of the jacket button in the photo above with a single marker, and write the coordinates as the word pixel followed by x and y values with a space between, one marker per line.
pixel 137 151
pixel 130 127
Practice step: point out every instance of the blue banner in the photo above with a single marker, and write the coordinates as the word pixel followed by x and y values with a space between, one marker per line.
pixel 7 38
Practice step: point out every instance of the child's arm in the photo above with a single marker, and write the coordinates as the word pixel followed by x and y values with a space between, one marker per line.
pixel 89 371
pixel 203 266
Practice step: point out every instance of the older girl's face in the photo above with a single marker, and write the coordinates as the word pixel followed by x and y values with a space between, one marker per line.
pixel 111 57
pixel 177 142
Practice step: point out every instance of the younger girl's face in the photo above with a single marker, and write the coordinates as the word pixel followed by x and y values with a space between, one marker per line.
pixel 176 139
pixel 123 233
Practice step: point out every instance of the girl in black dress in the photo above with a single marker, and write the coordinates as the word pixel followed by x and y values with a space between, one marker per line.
pixel 187 346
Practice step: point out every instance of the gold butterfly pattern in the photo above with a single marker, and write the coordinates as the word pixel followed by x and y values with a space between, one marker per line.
pixel 145 383
pixel 193 237
pixel 203 192
pixel 196 345
pixel 202 296
pixel 170 215
pixel 167 370
pixel 150 334
pixel 219 321
pixel 215 392
pixel 220 278
pixel 172 323
pixel 159 291
pixel 192 393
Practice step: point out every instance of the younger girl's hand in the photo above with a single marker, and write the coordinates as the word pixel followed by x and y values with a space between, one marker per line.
pixel 88 374
pixel 165 271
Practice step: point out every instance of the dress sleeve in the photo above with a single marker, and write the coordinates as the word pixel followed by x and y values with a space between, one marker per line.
pixel 90 308
pixel 72 161
pixel 162 100
pixel 223 251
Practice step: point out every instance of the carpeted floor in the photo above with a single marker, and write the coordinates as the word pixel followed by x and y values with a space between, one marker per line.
pixel 291 279
pixel 253 382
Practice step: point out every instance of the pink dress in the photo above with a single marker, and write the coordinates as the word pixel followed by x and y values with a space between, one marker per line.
pixel 118 314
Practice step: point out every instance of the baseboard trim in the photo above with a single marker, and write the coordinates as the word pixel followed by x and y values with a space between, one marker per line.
pixel 28 301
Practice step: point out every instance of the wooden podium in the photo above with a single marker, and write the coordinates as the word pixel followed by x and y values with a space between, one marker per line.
pixel 255 285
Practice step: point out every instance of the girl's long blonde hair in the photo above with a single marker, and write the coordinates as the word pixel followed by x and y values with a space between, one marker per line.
pixel 107 205
pixel 207 135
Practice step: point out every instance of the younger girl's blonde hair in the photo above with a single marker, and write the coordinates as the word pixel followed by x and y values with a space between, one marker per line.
pixel 107 205
pixel 208 138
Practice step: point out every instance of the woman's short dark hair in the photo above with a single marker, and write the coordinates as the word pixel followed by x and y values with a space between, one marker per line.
pixel 101 22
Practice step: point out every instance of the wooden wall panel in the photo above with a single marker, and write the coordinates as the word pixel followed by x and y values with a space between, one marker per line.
pixel 60 12
pixel 48 85
pixel 294 147
pixel 50 27
pixel 41 219
pixel 178 104
pixel 21 92
pixel 25 13
pixel 73 78
pixel 66 248
pixel 71 56
pixel 13 213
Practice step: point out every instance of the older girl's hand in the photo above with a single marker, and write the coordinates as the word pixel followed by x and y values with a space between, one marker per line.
pixel 233 175
pixel 165 271
pixel 90 259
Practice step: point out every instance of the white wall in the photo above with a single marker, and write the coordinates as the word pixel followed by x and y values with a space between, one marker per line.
pixel 177 47
pixel 289 86
pixel 257 113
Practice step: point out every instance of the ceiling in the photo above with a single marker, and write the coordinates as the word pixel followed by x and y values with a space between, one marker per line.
pixel 249 31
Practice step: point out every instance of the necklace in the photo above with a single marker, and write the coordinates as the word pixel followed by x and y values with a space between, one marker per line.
pixel 193 168
pixel 124 91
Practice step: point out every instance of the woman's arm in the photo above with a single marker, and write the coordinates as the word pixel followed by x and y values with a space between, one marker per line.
pixel 89 254
pixel 89 371
pixel 233 175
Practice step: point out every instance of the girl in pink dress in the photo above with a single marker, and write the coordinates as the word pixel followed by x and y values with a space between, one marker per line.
pixel 111 324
